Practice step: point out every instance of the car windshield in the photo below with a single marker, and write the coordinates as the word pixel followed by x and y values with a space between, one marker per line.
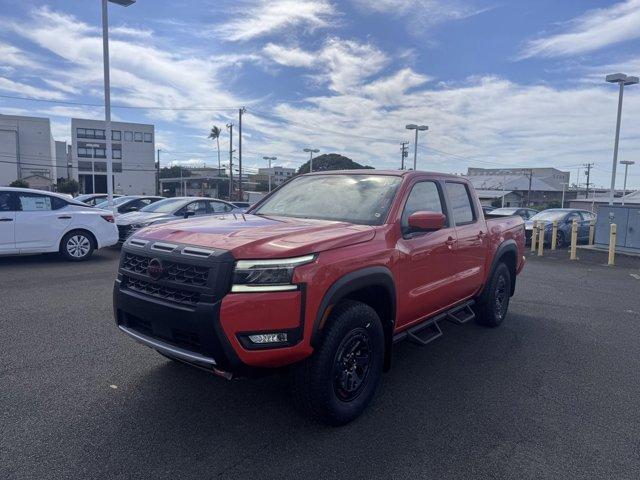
pixel 550 215
pixel 504 211
pixel 116 201
pixel 355 198
pixel 168 205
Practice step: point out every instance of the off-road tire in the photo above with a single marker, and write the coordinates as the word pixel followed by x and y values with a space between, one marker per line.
pixel 493 305
pixel 321 384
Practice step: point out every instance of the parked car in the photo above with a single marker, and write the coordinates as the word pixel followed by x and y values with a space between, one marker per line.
pixel 565 218
pixel 524 213
pixel 488 209
pixel 242 205
pixel 92 199
pixel 131 203
pixel 32 221
pixel 170 209
pixel 323 277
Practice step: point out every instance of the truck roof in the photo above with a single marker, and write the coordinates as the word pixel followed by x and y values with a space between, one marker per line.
pixel 396 173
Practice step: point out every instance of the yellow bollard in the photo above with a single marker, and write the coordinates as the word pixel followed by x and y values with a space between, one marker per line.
pixel 612 244
pixel 554 235
pixel 574 240
pixel 541 240
pixel 592 231
pixel 534 236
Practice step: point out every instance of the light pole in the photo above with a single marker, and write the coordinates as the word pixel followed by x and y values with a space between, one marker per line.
pixel 626 164
pixel 564 185
pixel 107 92
pixel 621 79
pixel 269 160
pixel 417 128
pixel 311 151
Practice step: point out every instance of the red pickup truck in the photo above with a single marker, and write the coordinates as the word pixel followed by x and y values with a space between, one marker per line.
pixel 322 276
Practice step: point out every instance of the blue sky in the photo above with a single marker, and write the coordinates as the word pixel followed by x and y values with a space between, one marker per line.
pixel 500 83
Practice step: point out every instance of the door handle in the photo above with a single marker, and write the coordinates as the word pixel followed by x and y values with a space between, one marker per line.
pixel 450 242
pixel 4 219
pixel 481 235
pixel 64 217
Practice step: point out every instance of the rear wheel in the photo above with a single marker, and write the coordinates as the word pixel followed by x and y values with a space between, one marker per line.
pixel 494 304
pixel 560 240
pixel 339 380
pixel 77 246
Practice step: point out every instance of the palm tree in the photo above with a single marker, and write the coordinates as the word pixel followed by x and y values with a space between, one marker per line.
pixel 215 135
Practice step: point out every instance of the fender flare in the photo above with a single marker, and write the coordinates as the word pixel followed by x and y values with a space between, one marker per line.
pixel 507 246
pixel 349 283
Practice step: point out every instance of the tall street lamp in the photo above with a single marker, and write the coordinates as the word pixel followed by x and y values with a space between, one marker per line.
pixel 626 164
pixel 417 128
pixel 621 79
pixel 107 92
pixel 311 151
pixel 564 186
pixel 269 159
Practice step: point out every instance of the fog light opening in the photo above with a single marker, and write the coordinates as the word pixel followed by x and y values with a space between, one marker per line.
pixel 266 338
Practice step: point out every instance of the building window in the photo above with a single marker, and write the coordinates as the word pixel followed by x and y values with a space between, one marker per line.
pixel 84 166
pixel 116 135
pixel 85 152
pixel 116 154
pixel 117 168
pixel 100 166
pixel 148 138
pixel 81 132
pixel 128 136
pixel 99 153
pixel 138 136
pixel 94 133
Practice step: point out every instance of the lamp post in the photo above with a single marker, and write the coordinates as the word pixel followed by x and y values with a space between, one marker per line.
pixel 626 164
pixel 107 93
pixel 269 160
pixel 621 79
pixel 311 151
pixel 564 185
pixel 417 128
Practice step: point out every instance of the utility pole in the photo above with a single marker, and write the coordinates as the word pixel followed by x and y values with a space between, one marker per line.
pixel 158 175
pixel 529 193
pixel 230 127
pixel 240 112
pixel 588 174
pixel 405 153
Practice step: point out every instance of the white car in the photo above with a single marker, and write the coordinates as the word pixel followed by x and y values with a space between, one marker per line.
pixel 33 221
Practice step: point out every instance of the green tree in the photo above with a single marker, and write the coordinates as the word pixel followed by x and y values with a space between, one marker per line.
pixel 214 134
pixel 19 183
pixel 331 161
pixel 68 185
pixel 174 172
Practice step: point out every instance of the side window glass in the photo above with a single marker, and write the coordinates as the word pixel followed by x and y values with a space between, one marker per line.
pixel 460 203
pixel 58 203
pixel 218 207
pixel 424 196
pixel 34 203
pixel 6 202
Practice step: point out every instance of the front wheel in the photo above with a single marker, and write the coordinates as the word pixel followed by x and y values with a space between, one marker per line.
pixel 77 246
pixel 339 380
pixel 494 304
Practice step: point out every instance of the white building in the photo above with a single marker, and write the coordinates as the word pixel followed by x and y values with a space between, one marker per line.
pixel 133 155
pixel 27 151
pixel 278 175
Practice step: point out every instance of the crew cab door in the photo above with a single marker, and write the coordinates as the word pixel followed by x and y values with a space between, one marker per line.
pixel 425 275
pixel 40 222
pixel 7 222
pixel 472 247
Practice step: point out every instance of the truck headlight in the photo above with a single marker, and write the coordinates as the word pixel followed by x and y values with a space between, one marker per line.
pixel 267 275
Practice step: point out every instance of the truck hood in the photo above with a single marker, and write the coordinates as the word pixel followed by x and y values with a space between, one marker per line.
pixel 252 236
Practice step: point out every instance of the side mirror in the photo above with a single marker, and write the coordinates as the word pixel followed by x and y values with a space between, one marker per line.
pixel 188 214
pixel 426 221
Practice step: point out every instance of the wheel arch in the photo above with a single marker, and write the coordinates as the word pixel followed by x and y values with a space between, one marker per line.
pixel 506 253
pixel 374 286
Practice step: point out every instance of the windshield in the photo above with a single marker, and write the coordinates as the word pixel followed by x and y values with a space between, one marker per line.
pixel 167 205
pixel 550 215
pixel 116 201
pixel 362 199
pixel 504 211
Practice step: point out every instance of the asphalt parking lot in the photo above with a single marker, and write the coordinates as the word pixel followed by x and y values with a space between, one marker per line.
pixel 552 394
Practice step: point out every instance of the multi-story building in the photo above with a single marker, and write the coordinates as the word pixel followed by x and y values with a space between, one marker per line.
pixel 548 174
pixel 27 151
pixel 133 156
pixel 278 175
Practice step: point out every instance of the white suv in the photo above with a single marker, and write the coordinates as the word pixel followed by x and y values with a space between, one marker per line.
pixel 33 221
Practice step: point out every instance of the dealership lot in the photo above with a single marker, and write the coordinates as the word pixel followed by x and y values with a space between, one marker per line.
pixel 551 394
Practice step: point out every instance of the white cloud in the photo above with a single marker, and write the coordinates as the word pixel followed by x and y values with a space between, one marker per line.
pixel 288 57
pixel 8 85
pixel 591 31
pixel 10 55
pixel 257 18
pixel 126 31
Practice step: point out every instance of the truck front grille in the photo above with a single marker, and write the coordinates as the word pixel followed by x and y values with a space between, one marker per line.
pixel 175 272
pixel 169 294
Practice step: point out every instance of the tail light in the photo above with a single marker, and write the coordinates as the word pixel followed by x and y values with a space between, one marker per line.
pixel 109 218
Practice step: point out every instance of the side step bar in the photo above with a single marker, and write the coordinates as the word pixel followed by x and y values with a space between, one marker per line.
pixel 429 330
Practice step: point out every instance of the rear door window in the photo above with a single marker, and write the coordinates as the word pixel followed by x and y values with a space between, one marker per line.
pixel 460 203
pixel 30 202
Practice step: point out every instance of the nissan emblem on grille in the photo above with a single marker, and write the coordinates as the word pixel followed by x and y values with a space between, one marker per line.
pixel 155 269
